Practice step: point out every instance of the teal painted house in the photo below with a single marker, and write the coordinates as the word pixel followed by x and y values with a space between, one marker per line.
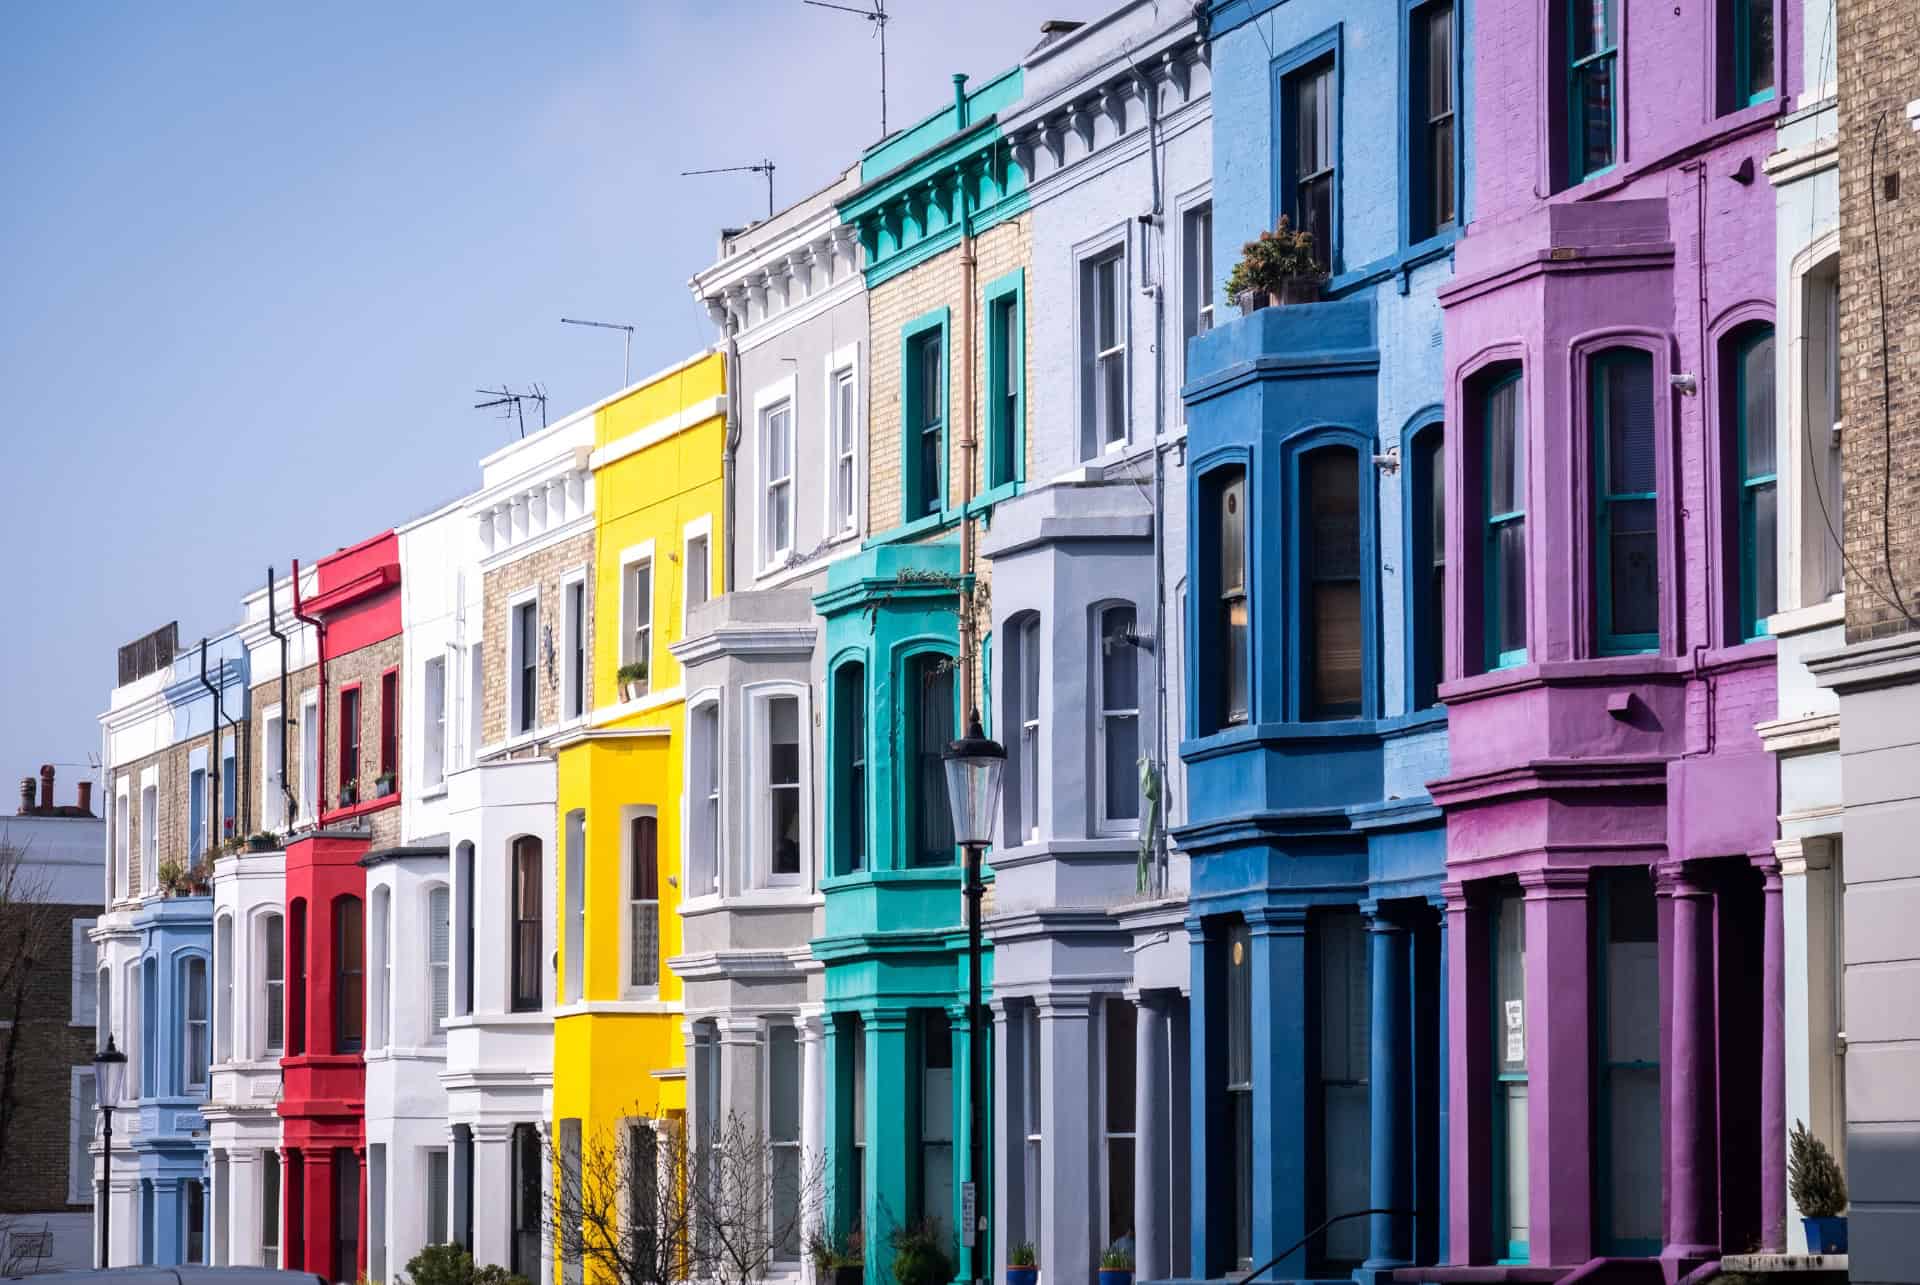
pixel 944 244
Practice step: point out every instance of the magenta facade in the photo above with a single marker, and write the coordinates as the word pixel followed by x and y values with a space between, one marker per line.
pixel 1615 1077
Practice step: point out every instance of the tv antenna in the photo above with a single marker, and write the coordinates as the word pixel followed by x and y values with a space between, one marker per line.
pixel 761 167
pixel 513 405
pixel 626 362
pixel 877 17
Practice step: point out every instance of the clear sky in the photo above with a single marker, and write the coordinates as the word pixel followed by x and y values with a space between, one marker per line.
pixel 255 258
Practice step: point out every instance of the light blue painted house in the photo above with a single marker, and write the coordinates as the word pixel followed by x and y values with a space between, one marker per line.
pixel 1316 572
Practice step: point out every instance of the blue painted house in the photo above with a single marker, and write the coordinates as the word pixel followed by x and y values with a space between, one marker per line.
pixel 1316 492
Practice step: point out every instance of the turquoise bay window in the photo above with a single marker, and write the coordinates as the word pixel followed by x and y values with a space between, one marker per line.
pixel 1504 570
pixel 1626 501
pixel 928 703
pixel 923 405
pixel 1593 65
pixel 1005 304
pixel 849 760
pixel 1753 409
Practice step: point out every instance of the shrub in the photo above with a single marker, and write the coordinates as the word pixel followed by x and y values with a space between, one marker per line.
pixel 1023 1255
pixel 452 1265
pixel 634 671
pixel 1813 1176
pixel 1272 258
pixel 1116 1258
pixel 920 1255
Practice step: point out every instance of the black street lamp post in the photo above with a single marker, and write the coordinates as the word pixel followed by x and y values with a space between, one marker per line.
pixel 974 765
pixel 109 1081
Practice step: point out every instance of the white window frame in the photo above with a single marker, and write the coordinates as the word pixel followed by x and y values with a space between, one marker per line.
pixel 628 814
pixel 756 741
pixel 433 722
pixel 259 994
pixel 522 722
pixel 181 965
pixel 1104 821
pixel 437 1022
pixel 273 770
pixel 84 997
pixel 1099 439
pixel 149 831
pixel 766 403
pixel 793 1145
pixel 630 558
pixel 122 837
pixel 576 660
pixel 700 530
pixel 310 757
pixel 704 703
pixel 229 783
pixel 80 1135
pixel 223 995
pixel 1812 430
pixel 379 967
pixel 842 510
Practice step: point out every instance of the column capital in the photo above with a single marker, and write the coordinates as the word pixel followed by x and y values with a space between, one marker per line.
pixel 1453 895
pixel 1379 918
pixel 1554 884
pixel 811 1022
pixel 490 1132
pixel 883 1019
pixel 1064 1006
pixel 734 1028
pixel 1277 921
pixel 1808 852
pixel 1673 879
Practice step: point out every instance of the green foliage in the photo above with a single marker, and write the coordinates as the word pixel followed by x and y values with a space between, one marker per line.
pixel 452 1265
pixel 1273 258
pixel 1813 1175
pixel 1023 1255
pixel 1116 1259
pixel 634 671
pixel 920 1254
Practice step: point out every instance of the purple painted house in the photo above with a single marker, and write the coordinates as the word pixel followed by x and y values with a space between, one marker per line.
pixel 1615 1066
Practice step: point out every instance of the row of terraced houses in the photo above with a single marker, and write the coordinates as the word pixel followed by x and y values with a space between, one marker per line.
pixel 1460 729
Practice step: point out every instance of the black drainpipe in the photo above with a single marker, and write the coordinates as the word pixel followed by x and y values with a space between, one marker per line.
pixel 286 713
pixel 213 749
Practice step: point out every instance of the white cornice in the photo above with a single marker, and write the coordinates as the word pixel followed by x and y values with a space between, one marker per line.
pixel 746 640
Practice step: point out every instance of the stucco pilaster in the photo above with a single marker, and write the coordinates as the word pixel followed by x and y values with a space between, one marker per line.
pixel 887 1158
pixel 811 1025
pixel 1152 1097
pixel 1390 1090
pixel 1278 938
pixel 1559 1067
pixel 1692 1165
pixel 1067 1157
pixel 492 1161
pixel 1814 1066
pixel 741 1040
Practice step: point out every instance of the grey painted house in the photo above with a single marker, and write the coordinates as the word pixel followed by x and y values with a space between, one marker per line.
pixel 790 300
pixel 1087 921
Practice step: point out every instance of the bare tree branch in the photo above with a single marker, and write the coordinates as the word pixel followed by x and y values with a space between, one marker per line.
pixel 28 927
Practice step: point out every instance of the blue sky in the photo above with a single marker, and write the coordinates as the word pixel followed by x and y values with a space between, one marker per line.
pixel 257 258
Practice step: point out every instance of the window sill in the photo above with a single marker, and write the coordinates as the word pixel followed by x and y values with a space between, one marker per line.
pixel 914 875
pixel 436 792
pixel 909 531
pixel 1245 735
pixel 361 809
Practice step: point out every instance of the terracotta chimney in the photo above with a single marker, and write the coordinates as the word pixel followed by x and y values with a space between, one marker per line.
pixel 26 795
pixel 86 797
pixel 46 786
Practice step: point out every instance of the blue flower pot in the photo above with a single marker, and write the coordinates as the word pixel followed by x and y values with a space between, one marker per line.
pixel 1114 1276
pixel 1022 1275
pixel 1826 1235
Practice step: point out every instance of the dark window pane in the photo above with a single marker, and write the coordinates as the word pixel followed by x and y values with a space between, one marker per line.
pixel 1333 568
pixel 1766 577
pixel 1593 97
pixel 933 688
pixel 1758 51
pixel 1593 26
pixel 1627 408
pixel 1756 407
pixel 1507 447
pixel 1511 614
pixel 1634 567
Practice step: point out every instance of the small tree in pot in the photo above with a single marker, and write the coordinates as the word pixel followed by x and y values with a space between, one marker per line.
pixel 920 1254
pixel 1820 1189
pixel 633 679
pixel 1276 267
pixel 1116 1264
pixel 1023 1264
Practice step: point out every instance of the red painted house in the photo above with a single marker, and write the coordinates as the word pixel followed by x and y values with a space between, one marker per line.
pixel 356 613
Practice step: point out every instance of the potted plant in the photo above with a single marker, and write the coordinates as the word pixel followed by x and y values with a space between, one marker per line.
pixel 173 878
pixel 199 878
pixel 349 793
pixel 383 785
pixel 844 1266
pixel 261 841
pixel 1820 1189
pixel 1275 267
pixel 920 1254
pixel 1023 1264
pixel 1116 1265
pixel 633 679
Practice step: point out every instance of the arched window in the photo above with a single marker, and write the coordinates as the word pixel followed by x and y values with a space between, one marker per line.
pixel 1021 700
pixel 349 976
pixel 1626 501
pixel 1751 382
pixel 439 958
pixel 1503 432
pixel 193 1004
pixel 1330 561
pixel 1427 564
pixel 928 706
pixel 223 981
pixel 381 943
pixel 273 982
pixel 850 767
pixel 1224 613
pixel 524 947
pixel 1117 720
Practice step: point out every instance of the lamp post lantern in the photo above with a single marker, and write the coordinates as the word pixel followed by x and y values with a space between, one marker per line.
pixel 109 1082
pixel 974 766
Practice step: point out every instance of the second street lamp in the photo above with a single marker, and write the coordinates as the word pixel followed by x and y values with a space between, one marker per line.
pixel 109 1082
pixel 974 766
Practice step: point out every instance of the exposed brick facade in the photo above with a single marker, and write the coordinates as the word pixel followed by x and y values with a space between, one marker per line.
pixel 365 667
pixel 46 1047
pixel 545 568
pixel 1879 47
pixel 299 683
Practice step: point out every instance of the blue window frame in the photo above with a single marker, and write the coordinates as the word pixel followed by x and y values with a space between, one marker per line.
pixel 923 406
pixel 1311 152
pixel 1626 502
pixel 1593 67
pixel 1426 562
pixel 1752 31
pixel 1753 406
pixel 1334 658
pixel 1222 603
pixel 196 812
pixel 1433 180
pixel 1627 1062
pixel 1004 301
pixel 1503 431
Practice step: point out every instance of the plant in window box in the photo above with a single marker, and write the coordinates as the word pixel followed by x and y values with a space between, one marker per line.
pixel 1819 1189
pixel 261 841
pixel 1275 268
pixel 1116 1264
pixel 920 1254
pixel 633 680
pixel 173 878
pixel 1023 1264
pixel 383 785
pixel 836 1266
pixel 349 793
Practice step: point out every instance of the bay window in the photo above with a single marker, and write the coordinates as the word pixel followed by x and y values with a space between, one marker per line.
pixel 929 696
pixel 1504 491
pixel 439 958
pixel 1335 613
pixel 1103 351
pixel 524 944
pixel 643 901
pixel 1626 500
pixel 381 942
pixel 193 1003
pixel 1021 702
pixel 573 900
pixel 273 982
pixel 223 989
pixel 782 765
pixel 1226 684
pixel 776 435
pixel 703 796
pixel 849 767
pixel 349 976
pixel 1427 560
pixel 1117 729
pixel 1751 352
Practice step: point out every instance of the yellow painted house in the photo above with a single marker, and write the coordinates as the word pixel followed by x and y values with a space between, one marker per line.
pixel 619 1053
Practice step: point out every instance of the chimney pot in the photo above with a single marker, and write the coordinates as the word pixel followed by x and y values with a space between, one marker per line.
pixel 26 795
pixel 46 786
pixel 86 797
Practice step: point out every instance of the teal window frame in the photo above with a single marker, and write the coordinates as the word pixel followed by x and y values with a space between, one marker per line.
pixel 1753 621
pixel 1613 643
pixel 848 722
pixel 1493 523
pixel 1743 61
pixel 1605 53
pixel 1604 1068
pixel 931 493
pixel 924 793
pixel 1006 379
